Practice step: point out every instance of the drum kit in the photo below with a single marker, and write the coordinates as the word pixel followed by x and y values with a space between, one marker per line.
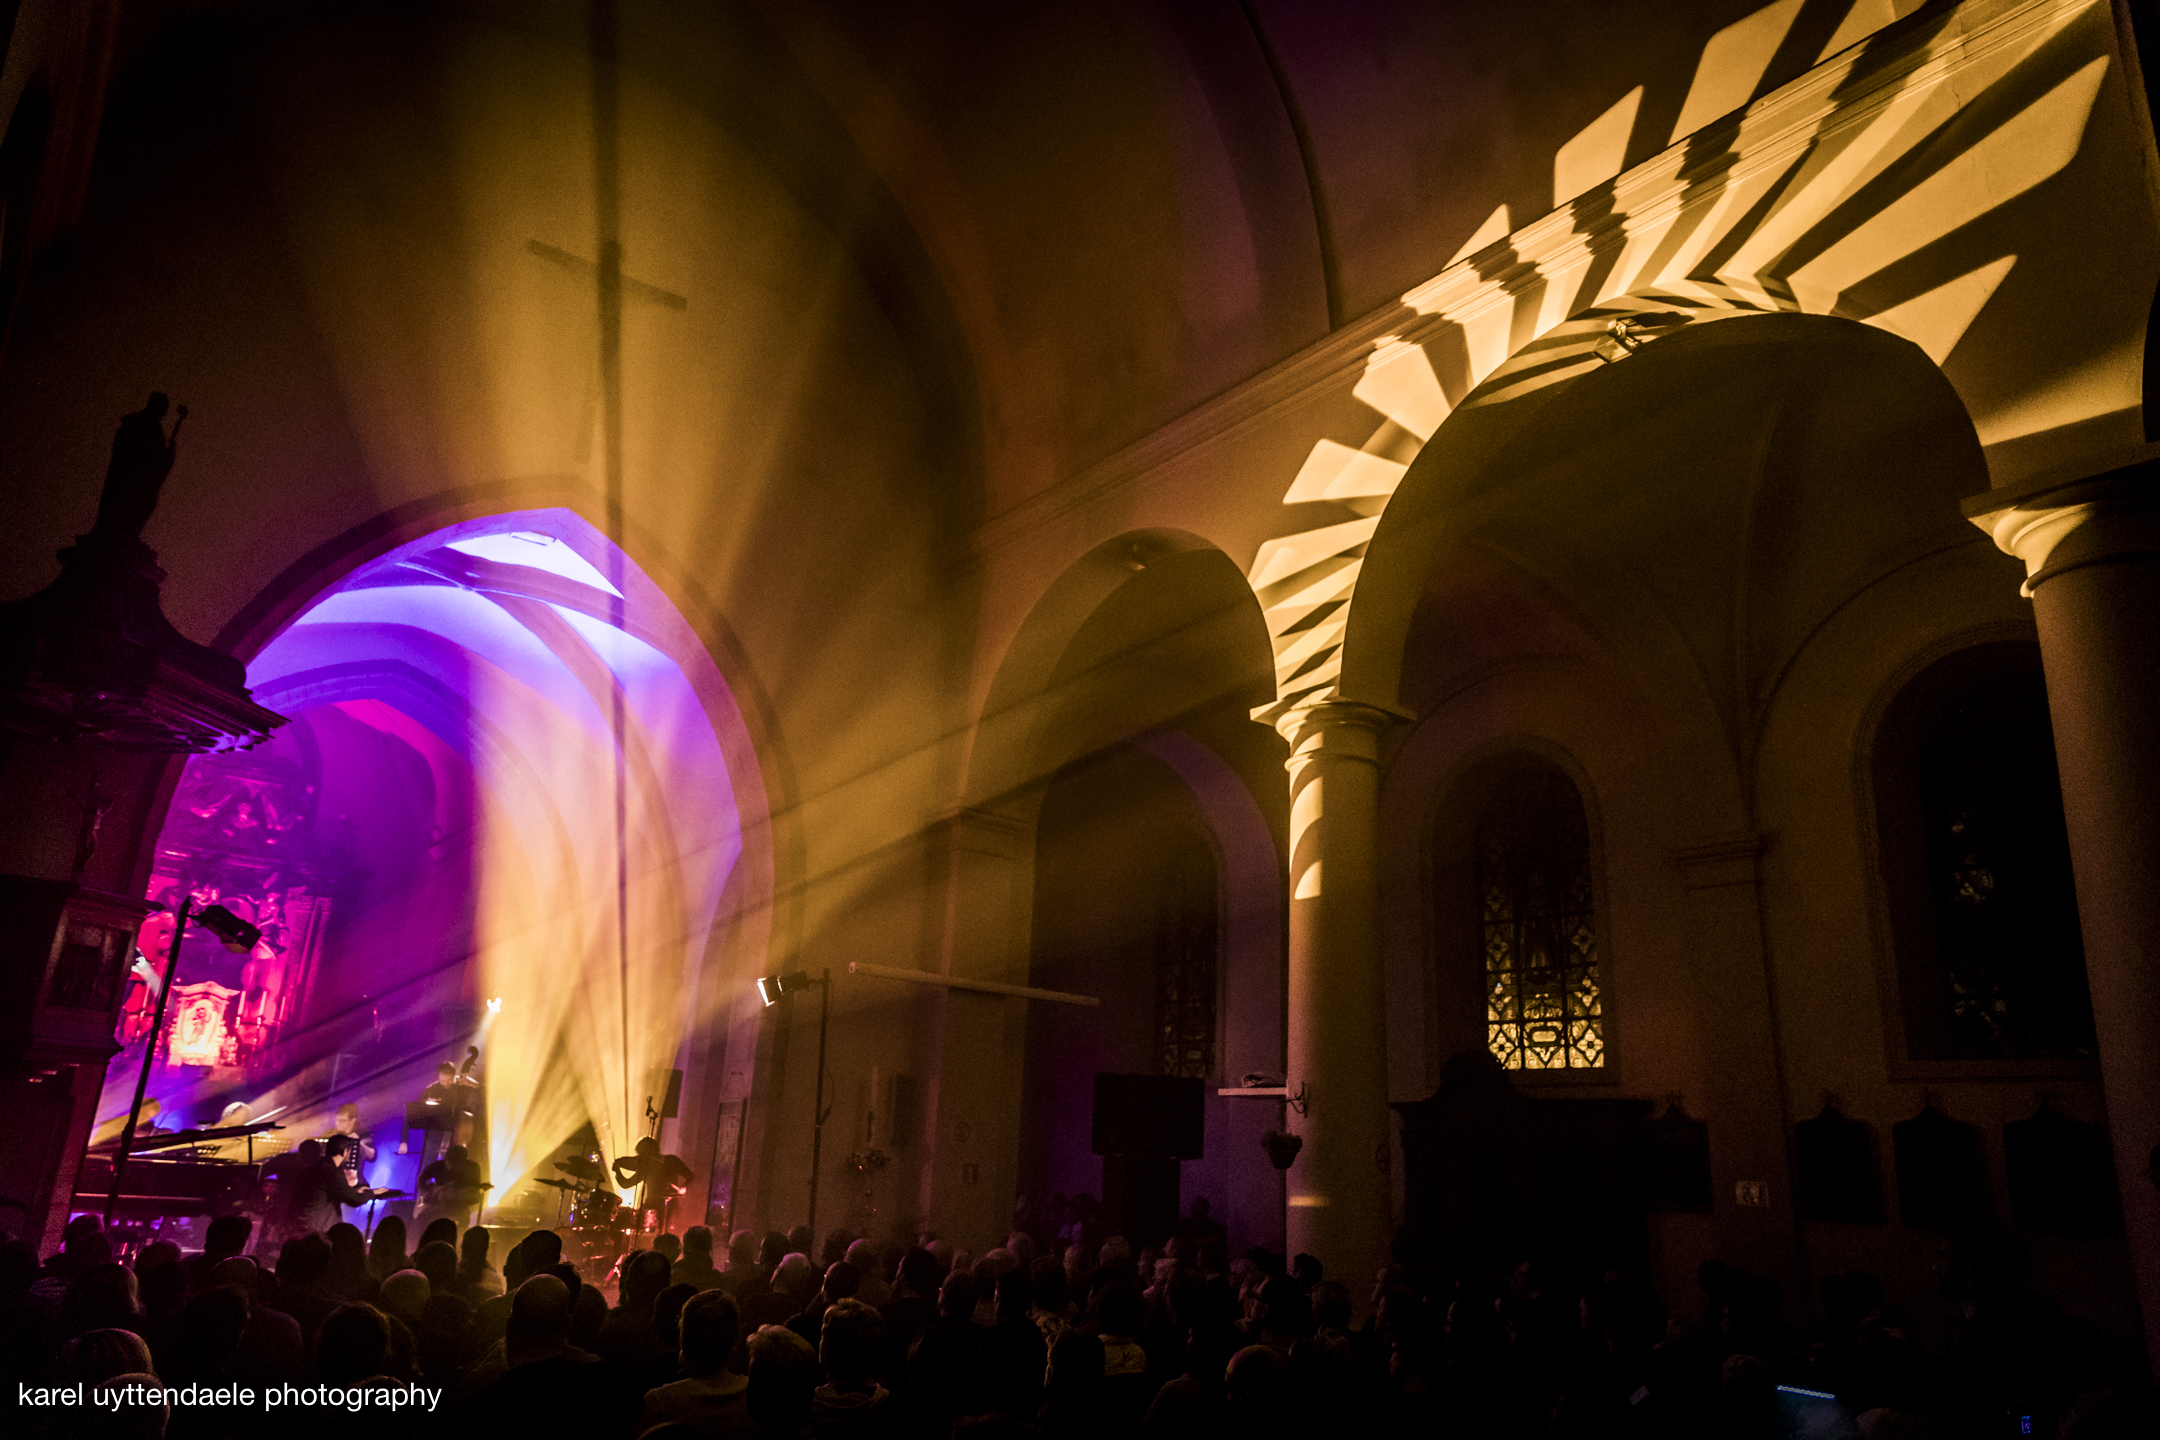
pixel 599 1221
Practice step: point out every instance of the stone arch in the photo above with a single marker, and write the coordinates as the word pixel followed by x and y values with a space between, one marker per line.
pixel 601 634
pixel 1702 479
pixel 1849 192
pixel 1145 656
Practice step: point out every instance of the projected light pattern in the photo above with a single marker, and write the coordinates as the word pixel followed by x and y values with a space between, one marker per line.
pixel 1885 186
pixel 555 683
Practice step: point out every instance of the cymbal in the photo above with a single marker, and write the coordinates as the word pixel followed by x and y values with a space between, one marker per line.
pixel 561 1185
pixel 579 1166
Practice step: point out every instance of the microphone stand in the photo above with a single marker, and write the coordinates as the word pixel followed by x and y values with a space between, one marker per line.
pixel 150 1044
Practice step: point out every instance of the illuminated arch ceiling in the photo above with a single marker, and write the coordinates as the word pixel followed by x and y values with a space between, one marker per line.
pixel 1985 157
pixel 530 649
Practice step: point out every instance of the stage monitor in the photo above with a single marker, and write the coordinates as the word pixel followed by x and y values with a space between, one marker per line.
pixel 1147 1115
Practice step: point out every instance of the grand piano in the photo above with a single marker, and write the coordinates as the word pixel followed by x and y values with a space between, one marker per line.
pixel 161 1185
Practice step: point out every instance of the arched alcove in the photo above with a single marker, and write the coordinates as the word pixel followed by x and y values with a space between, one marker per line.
pixel 512 803
pixel 1120 738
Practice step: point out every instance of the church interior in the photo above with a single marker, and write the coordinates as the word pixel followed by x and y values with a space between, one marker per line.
pixel 1478 633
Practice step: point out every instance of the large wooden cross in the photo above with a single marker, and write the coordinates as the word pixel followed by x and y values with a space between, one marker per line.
pixel 615 289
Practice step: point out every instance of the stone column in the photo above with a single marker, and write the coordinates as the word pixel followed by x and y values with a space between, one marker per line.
pixel 2092 558
pixel 1337 1192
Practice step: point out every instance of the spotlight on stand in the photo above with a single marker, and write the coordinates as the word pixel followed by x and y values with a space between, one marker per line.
pixel 772 989
pixel 495 1005
pixel 232 932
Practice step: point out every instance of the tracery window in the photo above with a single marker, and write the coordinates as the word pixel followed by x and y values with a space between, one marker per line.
pixel 2009 961
pixel 1544 986
pixel 1187 935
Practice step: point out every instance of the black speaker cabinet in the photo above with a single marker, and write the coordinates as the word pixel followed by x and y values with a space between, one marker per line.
pixel 1147 1115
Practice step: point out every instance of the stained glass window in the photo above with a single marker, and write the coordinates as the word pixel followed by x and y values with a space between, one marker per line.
pixel 1544 987
pixel 1186 939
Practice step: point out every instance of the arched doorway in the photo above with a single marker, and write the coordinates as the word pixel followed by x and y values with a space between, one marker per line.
pixel 509 813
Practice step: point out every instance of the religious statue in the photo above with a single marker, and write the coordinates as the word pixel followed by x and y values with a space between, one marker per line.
pixel 142 456
pixel 93 806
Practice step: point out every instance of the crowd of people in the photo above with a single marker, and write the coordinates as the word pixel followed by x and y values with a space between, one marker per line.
pixel 1065 1339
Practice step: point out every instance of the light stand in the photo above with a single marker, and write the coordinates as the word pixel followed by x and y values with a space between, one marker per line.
pixel 237 936
pixel 817 1125
pixel 150 1044
pixel 771 989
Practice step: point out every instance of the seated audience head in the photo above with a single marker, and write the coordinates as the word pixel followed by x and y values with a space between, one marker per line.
pixel 1119 1310
pixel 442 1230
pixel 709 1323
pixel 227 1235
pixel 588 1312
pixel 386 1250
pixel 1116 1250
pixel 1259 1389
pixel 835 1247
pixel 1047 1279
pixel 239 1272
pixel 862 1254
pixel 842 1280
pixel 1074 1377
pixel 666 1243
pixel 302 1262
pixel 667 1314
pixel 772 1249
pixel 405 1294
pixel 644 1276
pixel 1331 1305
pixel 85 1242
pixel 795 1277
pixel 95 1356
pixel 439 1263
pixel 101 1297
pixel 132 1419
pixel 742 1251
pixel 542 1249
pixel 848 1343
pixel 783 1376
pixel 1305 1270
pixel 696 1241
pixel 473 1248
pixel 800 1241
pixel 539 1325
pixel 1015 1296
pixel 1283 1309
pixel 917 1273
pixel 354 1345
pixel 208 1330
pixel 956 1297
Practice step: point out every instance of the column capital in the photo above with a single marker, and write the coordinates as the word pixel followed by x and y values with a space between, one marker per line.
pixel 2060 525
pixel 1327 723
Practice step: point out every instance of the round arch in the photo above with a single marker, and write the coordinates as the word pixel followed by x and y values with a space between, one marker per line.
pixel 598 852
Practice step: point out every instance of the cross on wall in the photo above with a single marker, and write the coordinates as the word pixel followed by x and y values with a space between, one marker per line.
pixel 615 291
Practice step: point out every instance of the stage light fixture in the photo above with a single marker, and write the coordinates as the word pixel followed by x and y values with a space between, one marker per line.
pixel 232 932
pixel 771 987
pixel 495 1005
